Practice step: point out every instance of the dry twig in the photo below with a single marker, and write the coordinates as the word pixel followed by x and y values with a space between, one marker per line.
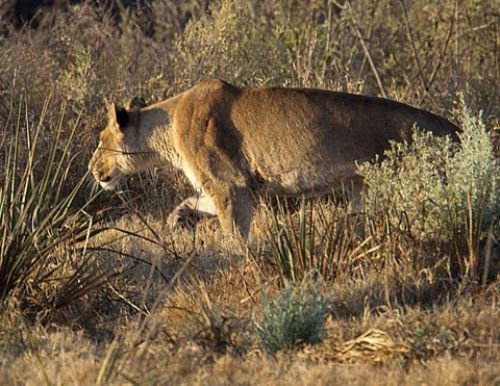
pixel 414 48
pixel 359 33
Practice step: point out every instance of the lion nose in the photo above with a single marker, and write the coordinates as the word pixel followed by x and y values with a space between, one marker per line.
pixel 101 177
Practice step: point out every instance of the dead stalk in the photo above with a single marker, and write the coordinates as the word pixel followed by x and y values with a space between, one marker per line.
pixel 359 33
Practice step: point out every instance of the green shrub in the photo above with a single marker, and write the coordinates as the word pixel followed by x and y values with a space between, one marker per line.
pixel 253 42
pixel 223 44
pixel 435 189
pixel 294 317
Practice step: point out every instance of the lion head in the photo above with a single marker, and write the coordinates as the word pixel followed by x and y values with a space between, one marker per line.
pixel 122 149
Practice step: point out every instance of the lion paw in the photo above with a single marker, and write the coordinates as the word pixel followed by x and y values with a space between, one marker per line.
pixel 181 218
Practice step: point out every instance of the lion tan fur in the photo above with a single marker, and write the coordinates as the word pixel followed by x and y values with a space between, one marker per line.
pixel 234 143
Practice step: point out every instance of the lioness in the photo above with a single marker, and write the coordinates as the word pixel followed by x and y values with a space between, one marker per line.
pixel 232 143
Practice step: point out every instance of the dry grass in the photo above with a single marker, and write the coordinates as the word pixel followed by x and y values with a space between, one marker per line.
pixel 201 333
pixel 182 307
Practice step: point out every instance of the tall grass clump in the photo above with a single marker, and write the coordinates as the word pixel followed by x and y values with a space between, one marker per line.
pixel 295 317
pixel 435 189
pixel 326 240
pixel 43 220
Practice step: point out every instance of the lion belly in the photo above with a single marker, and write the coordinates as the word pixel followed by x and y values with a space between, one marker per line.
pixel 302 175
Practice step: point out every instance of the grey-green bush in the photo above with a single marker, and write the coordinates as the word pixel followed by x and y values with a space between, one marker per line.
pixel 294 317
pixel 433 188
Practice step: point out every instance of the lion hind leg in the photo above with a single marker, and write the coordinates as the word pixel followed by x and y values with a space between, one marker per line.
pixel 350 190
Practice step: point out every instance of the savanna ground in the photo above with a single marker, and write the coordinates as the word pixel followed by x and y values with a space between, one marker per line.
pixel 95 289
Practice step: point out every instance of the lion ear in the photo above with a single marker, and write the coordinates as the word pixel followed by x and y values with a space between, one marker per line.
pixel 118 114
pixel 137 103
pixel 122 117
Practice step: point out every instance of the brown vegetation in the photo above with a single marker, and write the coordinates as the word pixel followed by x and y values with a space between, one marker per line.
pixel 120 299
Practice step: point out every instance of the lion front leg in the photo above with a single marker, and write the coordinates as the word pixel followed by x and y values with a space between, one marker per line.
pixel 191 210
pixel 234 206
